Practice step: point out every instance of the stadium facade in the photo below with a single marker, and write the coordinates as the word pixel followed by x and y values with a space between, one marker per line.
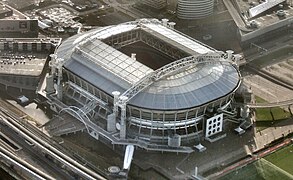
pixel 102 79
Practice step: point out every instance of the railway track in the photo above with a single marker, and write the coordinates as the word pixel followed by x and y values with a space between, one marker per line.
pixel 27 169
pixel 33 137
pixel 268 76
pixel 56 142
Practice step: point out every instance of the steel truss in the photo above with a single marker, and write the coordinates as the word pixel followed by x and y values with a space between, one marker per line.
pixel 162 46
pixel 172 68
pixel 91 101
pixel 130 37
pixel 123 39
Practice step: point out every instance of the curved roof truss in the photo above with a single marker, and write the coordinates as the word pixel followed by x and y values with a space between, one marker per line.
pixel 173 68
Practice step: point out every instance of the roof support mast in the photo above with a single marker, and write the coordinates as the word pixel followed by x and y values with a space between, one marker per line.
pixel 56 71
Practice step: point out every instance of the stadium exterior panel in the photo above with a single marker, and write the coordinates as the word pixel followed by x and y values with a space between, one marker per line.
pixel 157 109
pixel 194 9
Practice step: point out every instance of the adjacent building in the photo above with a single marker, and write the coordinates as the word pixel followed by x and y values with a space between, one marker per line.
pixel 194 9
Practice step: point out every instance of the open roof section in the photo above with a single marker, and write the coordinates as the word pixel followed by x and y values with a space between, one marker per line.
pixel 123 66
pixel 268 4
pixel 186 44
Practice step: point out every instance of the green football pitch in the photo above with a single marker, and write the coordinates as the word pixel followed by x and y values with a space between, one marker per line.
pixel 283 159
pixel 276 166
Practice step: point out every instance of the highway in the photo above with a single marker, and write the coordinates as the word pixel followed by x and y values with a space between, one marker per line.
pixel 67 162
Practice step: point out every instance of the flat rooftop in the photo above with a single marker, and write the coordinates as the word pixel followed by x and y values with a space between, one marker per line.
pixel 54 41
pixel 263 7
pixel 29 63
pixel 255 17
pixel 264 13
pixel 22 63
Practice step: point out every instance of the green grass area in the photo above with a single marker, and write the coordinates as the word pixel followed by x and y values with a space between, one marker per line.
pixel 264 116
pixel 259 170
pixel 283 159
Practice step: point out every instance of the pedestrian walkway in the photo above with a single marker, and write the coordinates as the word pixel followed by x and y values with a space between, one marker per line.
pixel 266 136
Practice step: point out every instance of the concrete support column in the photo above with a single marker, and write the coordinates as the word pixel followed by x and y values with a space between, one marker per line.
pixel 116 98
pixel 1 45
pixel 50 84
pixel 29 46
pixel 133 56
pixel 237 58
pixel 10 45
pixel 165 22
pixel 48 46
pixel 20 46
pixel 59 83
pixel 59 90
pixel 172 25
pixel 229 54
pixel 123 117
pixel 52 63
pixel 39 46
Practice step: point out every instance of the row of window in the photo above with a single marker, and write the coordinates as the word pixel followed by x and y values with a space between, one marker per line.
pixel 149 114
pixel 173 115
pixel 145 132
pixel 90 88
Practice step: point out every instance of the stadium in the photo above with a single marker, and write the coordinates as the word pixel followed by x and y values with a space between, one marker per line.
pixel 142 83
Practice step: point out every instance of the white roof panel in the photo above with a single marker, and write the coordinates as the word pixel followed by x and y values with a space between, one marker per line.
pixel 115 61
pixel 256 10
pixel 179 38
pixel 113 30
